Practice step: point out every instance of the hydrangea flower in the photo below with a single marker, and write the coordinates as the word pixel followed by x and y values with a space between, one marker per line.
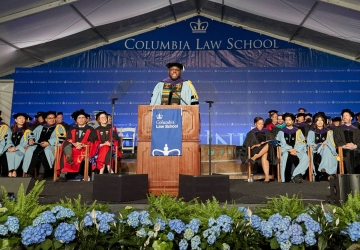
pixel 162 223
pixel 328 217
pixel 244 211
pixel 170 236
pixel 285 245
pixel 266 229
pixel 144 218
pixel 194 225
pixel 56 209
pixel 177 225
pixel 310 238
pixel 183 244
pixel 133 219
pixel 282 236
pixel 65 213
pixel 195 242
pixel 12 224
pixel 44 218
pixel 313 226
pixel 141 233
pixel 224 222
pixel 88 220
pixel 211 239
pixel 3 230
pixel 27 236
pixel 303 217
pixel 255 222
pixel 188 234
pixel 353 230
pixel 65 232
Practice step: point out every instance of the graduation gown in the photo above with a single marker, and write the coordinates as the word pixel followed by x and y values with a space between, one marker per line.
pixel 345 134
pixel 304 127
pixel 20 140
pixel 255 137
pixel 102 154
pixel 54 135
pixel 5 137
pixel 299 146
pixel 356 124
pixel 328 153
pixel 86 136
pixel 188 92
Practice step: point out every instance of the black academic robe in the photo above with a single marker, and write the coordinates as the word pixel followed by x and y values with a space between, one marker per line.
pixel 304 127
pixel 356 124
pixel 252 139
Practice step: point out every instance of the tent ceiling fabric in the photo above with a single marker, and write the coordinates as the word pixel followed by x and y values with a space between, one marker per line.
pixel 38 31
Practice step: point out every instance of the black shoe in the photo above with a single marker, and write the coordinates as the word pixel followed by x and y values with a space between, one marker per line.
pixel 61 179
pixel 40 177
pixel 317 178
pixel 69 160
pixel 252 161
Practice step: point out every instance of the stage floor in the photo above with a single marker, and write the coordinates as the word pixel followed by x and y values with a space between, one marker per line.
pixel 241 192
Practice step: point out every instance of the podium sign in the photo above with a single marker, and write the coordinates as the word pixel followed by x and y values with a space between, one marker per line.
pixel 166 132
pixel 163 172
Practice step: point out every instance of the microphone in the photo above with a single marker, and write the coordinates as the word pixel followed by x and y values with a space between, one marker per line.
pixel 209 102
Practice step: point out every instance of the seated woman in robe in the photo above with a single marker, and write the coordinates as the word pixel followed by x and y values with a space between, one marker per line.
pixel 321 139
pixel 260 152
pixel 20 136
pixel 105 136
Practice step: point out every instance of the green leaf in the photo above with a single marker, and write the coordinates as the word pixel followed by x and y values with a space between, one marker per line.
pixel 57 244
pixel 47 244
pixel 293 247
pixel 322 242
pixel 4 244
pixel 70 246
pixel 274 244
pixel 3 219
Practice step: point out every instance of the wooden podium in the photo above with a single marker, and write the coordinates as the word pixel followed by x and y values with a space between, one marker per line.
pixel 163 171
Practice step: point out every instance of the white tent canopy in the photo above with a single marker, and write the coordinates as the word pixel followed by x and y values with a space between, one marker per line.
pixel 39 31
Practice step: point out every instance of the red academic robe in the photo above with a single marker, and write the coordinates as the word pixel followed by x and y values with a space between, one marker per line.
pixel 77 155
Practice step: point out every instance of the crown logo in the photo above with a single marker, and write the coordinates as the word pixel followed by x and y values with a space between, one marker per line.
pixel 159 116
pixel 199 27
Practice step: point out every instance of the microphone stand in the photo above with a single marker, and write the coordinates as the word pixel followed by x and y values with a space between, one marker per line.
pixel 210 135
pixel 112 130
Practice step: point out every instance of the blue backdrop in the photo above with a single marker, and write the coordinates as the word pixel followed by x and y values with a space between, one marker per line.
pixel 242 93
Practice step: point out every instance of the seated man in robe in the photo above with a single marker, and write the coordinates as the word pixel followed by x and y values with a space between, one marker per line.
pixel 60 120
pixel 357 123
pixel 294 158
pixel 335 122
pixel 74 147
pixel 41 153
pixel 174 90
pixel 280 122
pixel 347 136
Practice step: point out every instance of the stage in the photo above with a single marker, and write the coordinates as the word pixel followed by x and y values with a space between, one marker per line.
pixel 242 193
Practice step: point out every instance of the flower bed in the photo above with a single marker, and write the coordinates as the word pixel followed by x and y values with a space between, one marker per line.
pixel 170 223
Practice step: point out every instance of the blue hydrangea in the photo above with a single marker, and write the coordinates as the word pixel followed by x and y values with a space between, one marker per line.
pixel 297 239
pixel 133 219
pixel 41 231
pixel 44 218
pixel 283 224
pixel 282 236
pixel 353 230
pixel 266 229
pixel 195 242
pixel 12 224
pixel 177 225
pixel 27 237
pixel 88 220
pixel 275 219
pixel 255 222
pixel 211 221
pixel 106 217
pixel 144 218
pixel 194 225
pixel 170 236
pixel 65 232
pixel 296 230
pixel 211 239
pixel 3 230
pixel 188 234
pixel 310 238
pixel 285 245
pixel 303 217
pixel 224 222
pixel 183 245
pixel 313 226
pixel 103 227
pixel 141 233
pixel 162 223
pixel 56 209
pixel 244 211
pixel 328 217
pixel 65 213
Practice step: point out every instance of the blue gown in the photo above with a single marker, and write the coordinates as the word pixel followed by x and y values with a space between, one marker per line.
pixel 5 137
pixel 56 138
pixel 188 94
pixel 299 146
pixel 20 140
pixel 328 153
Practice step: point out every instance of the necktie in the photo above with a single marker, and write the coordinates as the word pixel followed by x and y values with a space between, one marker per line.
pixel 80 133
